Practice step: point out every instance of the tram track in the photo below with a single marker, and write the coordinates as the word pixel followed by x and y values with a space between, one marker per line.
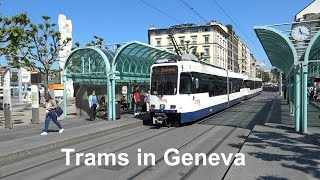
pixel 203 133
pixel 214 148
pixel 134 143
pixel 111 141
pixel 93 147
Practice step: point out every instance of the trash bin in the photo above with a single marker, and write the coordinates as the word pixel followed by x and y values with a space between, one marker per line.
pixel 118 111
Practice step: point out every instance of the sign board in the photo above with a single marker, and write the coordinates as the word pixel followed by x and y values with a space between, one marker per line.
pixel 58 93
pixel 6 90
pixel 124 90
pixel 34 96
pixel 35 78
pixel 25 76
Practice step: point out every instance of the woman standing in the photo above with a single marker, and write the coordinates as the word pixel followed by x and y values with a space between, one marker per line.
pixel 50 114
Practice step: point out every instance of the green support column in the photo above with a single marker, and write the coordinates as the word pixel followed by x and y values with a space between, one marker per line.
pixel 291 96
pixel 304 98
pixel 297 87
pixel 129 95
pixel 109 100
pixel 113 97
pixel 288 92
pixel 65 97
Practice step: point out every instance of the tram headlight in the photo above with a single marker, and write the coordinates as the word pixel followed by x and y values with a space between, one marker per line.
pixel 162 106
pixel 173 107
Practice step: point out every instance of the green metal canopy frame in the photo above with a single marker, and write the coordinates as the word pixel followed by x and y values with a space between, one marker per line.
pixel 278 47
pixel 283 55
pixel 131 62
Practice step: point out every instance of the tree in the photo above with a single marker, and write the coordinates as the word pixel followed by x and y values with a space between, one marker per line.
pixel 14 77
pixel 39 48
pixel 265 76
pixel 12 32
pixel 97 41
pixel 275 73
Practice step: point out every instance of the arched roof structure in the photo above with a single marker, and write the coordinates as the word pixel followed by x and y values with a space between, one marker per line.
pixel 131 62
pixel 279 48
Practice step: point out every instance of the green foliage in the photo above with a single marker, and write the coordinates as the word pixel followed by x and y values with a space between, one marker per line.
pixel 265 76
pixel 97 41
pixel 14 77
pixel 39 46
pixel 275 73
pixel 12 32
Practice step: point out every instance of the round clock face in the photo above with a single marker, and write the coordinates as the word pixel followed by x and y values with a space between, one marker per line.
pixel 301 32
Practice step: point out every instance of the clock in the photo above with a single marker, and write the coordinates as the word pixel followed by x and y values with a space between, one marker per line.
pixel 301 32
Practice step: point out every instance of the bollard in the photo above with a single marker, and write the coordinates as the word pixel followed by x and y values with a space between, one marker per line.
pixel 7 116
pixel 35 116
pixel 35 104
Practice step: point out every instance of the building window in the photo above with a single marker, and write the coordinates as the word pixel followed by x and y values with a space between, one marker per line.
pixel 206 51
pixel 181 40
pixel 205 29
pixel 194 30
pixel 158 42
pixel 194 50
pixel 158 32
pixel 206 39
pixel 169 41
pixel 183 31
pixel 194 40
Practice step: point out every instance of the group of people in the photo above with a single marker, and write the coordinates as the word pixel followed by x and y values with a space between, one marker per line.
pixel 314 93
pixel 51 105
pixel 136 101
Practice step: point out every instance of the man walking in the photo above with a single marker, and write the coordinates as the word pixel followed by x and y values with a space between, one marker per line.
pixel 93 105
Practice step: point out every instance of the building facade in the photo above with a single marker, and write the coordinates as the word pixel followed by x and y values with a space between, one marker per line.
pixel 252 66
pixel 211 41
pixel 233 41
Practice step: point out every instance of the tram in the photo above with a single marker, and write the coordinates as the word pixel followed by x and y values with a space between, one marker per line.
pixel 184 89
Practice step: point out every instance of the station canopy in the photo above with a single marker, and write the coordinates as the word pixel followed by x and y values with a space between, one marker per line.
pixel 130 62
pixel 278 48
pixel 284 55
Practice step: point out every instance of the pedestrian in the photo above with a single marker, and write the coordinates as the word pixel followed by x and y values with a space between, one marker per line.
pixel 136 100
pixel 93 105
pixel 123 102
pixel 50 114
pixel 147 101
pixel 284 92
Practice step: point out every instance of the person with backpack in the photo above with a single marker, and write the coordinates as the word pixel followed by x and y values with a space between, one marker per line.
pixel 50 105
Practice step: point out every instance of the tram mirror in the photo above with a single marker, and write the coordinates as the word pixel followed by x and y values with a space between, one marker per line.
pixel 197 83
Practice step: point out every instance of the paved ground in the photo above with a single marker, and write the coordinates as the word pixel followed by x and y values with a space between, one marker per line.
pixel 22 113
pixel 272 149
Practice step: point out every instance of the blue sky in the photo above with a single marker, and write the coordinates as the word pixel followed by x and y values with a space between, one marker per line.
pixel 127 20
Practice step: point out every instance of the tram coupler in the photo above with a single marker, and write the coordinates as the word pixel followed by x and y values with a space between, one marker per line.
pixel 159 119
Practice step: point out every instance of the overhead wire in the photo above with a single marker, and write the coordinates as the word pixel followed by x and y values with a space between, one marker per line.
pixel 150 5
pixel 194 11
pixel 216 2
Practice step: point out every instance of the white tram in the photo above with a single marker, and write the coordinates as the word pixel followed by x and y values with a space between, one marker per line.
pixel 186 90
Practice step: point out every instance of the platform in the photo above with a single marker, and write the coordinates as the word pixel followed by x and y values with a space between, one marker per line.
pixel 25 141
pixel 274 151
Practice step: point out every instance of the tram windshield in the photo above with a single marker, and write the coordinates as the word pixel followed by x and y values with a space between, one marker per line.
pixel 164 80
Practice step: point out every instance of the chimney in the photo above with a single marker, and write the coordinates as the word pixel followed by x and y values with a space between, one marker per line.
pixel 152 27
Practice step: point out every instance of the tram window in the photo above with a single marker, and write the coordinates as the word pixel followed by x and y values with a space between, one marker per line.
pixel 186 86
pixel 164 80
pixel 203 82
pixel 211 86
